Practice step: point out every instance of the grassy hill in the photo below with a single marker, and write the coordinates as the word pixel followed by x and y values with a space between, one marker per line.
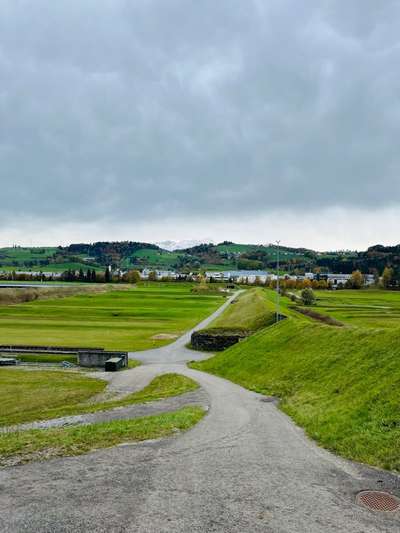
pixel 341 384
pixel 250 311
pixel 152 258
pixel 269 250
pixel 224 256
pixel 44 259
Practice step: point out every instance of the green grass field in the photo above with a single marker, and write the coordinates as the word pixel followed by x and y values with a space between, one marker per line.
pixel 341 384
pixel 116 320
pixel 25 446
pixel 366 308
pixel 26 394
pixel 30 395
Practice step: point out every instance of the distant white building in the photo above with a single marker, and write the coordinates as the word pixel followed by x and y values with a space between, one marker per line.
pixel 159 273
pixel 35 274
pixel 369 279
pixel 239 276
pixel 337 280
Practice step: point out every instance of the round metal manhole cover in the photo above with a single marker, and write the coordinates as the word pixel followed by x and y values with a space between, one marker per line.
pixel 378 501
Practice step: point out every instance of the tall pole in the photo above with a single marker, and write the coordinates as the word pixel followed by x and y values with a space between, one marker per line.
pixel 278 313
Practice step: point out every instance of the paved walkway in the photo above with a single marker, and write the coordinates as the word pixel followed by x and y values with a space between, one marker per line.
pixel 244 468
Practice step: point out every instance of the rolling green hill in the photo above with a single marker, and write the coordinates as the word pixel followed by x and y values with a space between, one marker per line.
pixel 12 256
pixel 224 256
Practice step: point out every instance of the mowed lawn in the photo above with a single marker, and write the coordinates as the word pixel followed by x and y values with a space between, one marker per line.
pixel 28 394
pixel 366 308
pixel 116 320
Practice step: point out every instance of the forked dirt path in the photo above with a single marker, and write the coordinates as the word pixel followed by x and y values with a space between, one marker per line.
pixel 244 468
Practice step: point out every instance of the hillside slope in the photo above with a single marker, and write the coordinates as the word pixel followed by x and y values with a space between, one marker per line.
pixel 250 311
pixel 341 384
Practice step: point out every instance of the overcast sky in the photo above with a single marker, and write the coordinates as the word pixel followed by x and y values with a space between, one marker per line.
pixel 247 120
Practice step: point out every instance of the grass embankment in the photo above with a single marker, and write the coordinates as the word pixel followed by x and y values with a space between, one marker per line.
pixel 247 313
pixel 27 396
pixel 250 311
pixel 115 320
pixel 341 384
pixel 24 446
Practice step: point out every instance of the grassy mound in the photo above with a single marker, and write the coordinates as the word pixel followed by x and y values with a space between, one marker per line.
pixel 341 384
pixel 250 311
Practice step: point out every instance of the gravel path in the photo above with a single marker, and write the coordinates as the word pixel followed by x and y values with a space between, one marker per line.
pixel 244 468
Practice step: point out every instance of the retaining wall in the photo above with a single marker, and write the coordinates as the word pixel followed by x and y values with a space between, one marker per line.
pixel 98 359
pixel 216 340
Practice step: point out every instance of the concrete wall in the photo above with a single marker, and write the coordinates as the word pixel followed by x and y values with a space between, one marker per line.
pixel 98 359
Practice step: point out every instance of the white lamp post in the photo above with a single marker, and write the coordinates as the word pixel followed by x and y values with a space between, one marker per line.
pixel 278 313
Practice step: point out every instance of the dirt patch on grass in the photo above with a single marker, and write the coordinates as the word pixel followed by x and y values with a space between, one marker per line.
pixel 164 337
pixel 317 316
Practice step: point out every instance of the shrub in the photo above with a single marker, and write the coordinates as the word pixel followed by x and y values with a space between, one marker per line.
pixel 308 296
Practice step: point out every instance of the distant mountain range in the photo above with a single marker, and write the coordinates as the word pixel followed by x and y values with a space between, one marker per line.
pixel 188 256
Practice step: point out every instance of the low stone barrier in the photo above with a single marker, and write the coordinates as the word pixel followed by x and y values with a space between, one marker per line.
pixel 217 339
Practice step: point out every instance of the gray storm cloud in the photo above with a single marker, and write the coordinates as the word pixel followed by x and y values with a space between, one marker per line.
pixel 145 108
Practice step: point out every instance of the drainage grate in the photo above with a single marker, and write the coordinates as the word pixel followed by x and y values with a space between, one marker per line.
pixel 378 501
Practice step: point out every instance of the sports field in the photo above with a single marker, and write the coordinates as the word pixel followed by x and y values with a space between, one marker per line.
pixel 117 320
